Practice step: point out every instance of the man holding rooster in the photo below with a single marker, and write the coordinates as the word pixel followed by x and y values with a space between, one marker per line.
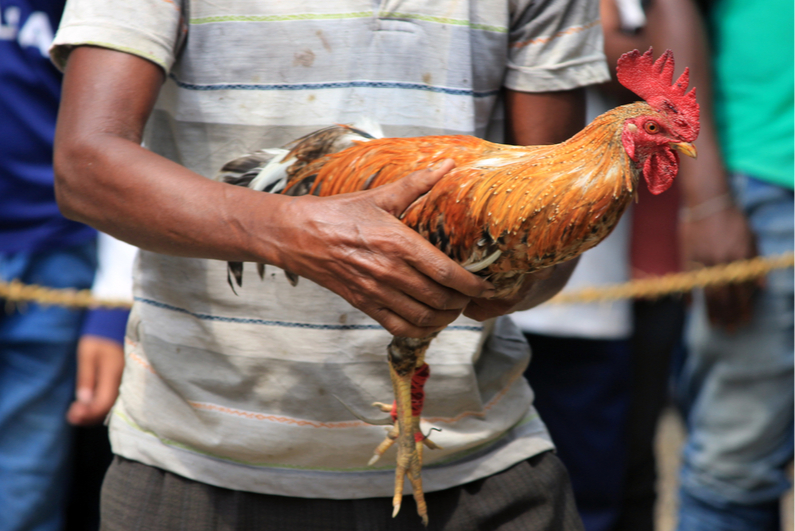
pixel 227 414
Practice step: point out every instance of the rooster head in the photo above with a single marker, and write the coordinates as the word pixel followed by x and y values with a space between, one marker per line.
pixel 669 123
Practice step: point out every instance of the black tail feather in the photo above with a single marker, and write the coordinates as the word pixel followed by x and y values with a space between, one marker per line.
pixel 234 269
pixel 291 277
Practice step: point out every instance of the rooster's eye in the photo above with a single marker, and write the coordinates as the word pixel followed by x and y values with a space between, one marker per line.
pixel 651 128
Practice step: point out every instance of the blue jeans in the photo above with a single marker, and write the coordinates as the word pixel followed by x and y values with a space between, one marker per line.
pixel 37 379
pixel 736 390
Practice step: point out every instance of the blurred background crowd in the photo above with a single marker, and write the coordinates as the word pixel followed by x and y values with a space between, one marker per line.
pixel 602 373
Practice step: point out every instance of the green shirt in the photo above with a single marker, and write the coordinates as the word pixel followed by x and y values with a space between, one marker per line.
pixel 753 45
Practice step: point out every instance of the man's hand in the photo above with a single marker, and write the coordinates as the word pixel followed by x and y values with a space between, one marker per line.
pixel 721 238
pixel 355 245
pixel 537 288
pixel 99 365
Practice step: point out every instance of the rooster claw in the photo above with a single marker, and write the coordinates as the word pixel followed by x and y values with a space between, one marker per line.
pixel 409 465
pixel 386 421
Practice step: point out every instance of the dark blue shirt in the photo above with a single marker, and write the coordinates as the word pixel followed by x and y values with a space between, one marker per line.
pixel 30 89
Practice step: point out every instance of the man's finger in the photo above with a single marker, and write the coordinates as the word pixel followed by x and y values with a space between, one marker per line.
pixel 77 414
pixel 480 309
pixel 720 309
pixel 411 310
pixel 108 378
pixel 86 371
pixel 396 197
pixel 398 326
pixel 100 362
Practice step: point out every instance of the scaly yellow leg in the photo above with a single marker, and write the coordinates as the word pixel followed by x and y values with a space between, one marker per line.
pixel 407 458
pixel 406 355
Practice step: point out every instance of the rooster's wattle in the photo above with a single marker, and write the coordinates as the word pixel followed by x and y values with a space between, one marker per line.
pixel 503 212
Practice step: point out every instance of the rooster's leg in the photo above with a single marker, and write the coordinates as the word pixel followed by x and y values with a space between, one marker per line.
pixel 408 372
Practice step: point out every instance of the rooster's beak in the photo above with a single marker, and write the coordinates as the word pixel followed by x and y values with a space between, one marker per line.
pixel 685 148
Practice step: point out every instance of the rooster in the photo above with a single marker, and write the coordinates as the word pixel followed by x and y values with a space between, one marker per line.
pixel 503 212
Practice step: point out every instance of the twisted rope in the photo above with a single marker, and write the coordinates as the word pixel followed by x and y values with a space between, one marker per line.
pixel 16 292
pixel 656 287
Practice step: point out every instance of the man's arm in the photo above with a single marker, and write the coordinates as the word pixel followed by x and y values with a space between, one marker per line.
pixel 536 119
pixel 712 235
pixel 351 244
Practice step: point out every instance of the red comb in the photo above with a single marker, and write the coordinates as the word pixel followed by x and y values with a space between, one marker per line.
pixel 651 80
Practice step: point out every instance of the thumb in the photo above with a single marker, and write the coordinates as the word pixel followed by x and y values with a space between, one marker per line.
pixel 86 373
pixel 108 378
pixel 85 383
pixel 396 197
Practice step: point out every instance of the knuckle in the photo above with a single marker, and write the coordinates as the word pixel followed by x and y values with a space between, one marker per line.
pixel 392 243
pixel 450 300
pixel 425 318
pixel 359 301
pixel 400 328
pixel 452 316
pixel 413 332
pixel 384 318
pixel 443 273
pixel 476 313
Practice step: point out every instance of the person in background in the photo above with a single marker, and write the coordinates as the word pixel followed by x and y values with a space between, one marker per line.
pixel 622 495
pixel 736 384
pixel 39 246
pixel 100 361
pixel 655 245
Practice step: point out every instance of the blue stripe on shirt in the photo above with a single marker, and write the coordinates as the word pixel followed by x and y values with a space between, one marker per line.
pixel 336 85
pixel 285 324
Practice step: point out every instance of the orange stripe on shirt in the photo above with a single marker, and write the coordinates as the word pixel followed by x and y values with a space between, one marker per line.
pixel 567 31
pixel 277 418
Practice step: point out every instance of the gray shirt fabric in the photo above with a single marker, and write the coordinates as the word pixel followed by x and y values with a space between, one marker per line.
pixel 239 391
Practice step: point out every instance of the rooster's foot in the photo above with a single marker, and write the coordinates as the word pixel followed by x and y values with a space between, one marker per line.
pixel 392 435
pixel 406 433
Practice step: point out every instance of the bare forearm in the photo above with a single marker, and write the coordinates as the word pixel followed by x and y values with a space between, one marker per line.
pixel 545 117
pixel 124 190
pixel 106 179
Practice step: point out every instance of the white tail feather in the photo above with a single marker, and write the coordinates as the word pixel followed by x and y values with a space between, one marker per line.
pixel 273 172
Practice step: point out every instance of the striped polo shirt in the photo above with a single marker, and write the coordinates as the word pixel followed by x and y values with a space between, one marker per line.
pixel 241 391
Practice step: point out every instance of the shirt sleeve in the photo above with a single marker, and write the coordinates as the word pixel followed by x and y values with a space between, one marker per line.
pixel 556 45
pixel 114 278
pixel 110 324
pixel 151 29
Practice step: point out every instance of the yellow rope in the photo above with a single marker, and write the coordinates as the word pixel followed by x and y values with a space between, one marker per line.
pixel 655 287
pixel 15 292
